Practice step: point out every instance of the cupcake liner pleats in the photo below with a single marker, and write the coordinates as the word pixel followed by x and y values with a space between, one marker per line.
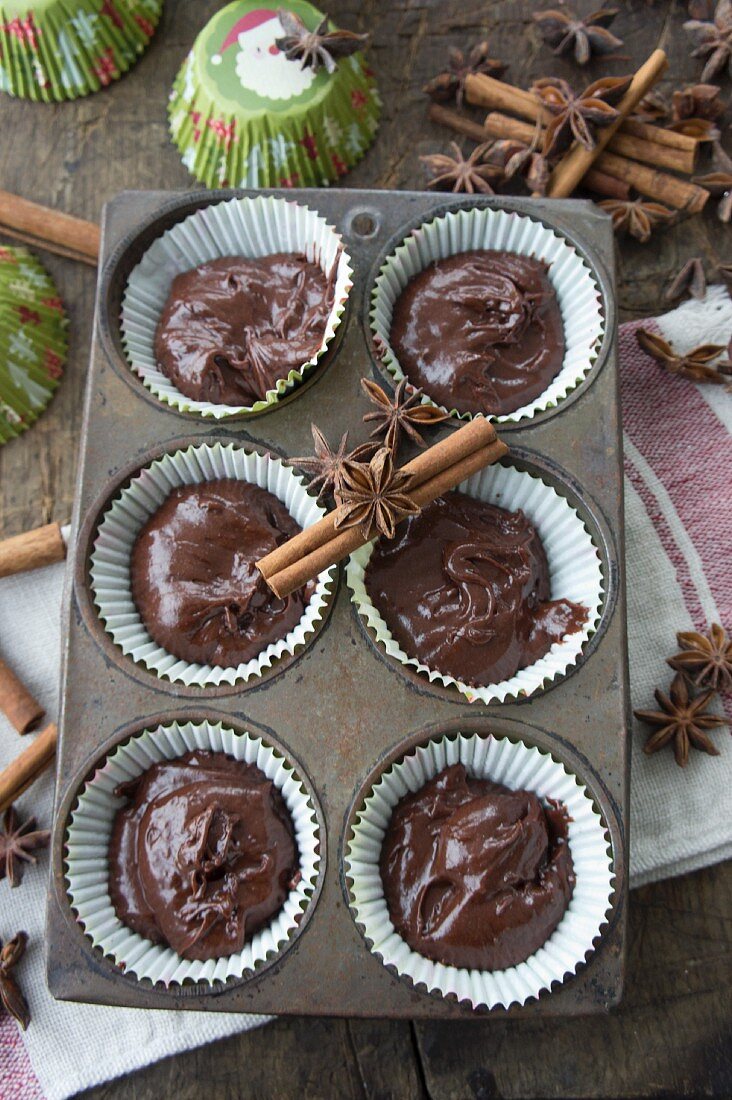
pixel 518 767
pixel 242 115
pixel 127 514
pixel 577 288
pixel 249 227
pixel 575 573
pixel 86 853
pixel 33 340
pixel 54 50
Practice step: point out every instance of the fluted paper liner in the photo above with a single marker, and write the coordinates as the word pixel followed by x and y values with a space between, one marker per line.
pixel 86 853
pixel 141 498
pixel 55 50
pixel 575 573
pixel 241 115
pixel 577 290
pixel 249 227
pixel 33 340
pixel 518 767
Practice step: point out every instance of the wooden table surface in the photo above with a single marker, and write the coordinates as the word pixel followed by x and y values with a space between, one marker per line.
pixel 671 1037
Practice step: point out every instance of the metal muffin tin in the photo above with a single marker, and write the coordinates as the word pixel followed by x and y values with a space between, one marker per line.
pixel 319 706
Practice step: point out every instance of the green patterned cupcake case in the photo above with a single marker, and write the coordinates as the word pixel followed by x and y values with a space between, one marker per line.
pixel 244 115
pixel 52 50
pixel 33 340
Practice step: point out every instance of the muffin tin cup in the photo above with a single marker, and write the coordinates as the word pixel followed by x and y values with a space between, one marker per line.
pixel 86 854
pixel 140 499
pixel 575 573
pixel 519 767
pixel 578 291
pixel 248 227
pixel 57 50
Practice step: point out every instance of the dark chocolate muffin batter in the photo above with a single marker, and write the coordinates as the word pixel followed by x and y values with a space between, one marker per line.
pixel 480 332
pixel 476 875
pixel 194 578
pixel 203 855
pixel 464 587
pixel 232 327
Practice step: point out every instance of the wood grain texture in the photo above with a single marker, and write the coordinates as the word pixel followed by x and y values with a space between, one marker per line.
pixel 671 1035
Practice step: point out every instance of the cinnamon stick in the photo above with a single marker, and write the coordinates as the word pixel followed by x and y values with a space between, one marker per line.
pixel 570 170
pixel 298 573
pixel 680 194
pixel 17 703
pixel 45 228
pixel 473 436
pixel 634 139
pixel 32 550
pixel 26 767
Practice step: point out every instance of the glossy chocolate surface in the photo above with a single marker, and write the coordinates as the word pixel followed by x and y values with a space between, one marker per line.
pixel 465 588
pixel 476 875
pixel 232 327
pixel 480 332
pixel 203 854
pixel 194 578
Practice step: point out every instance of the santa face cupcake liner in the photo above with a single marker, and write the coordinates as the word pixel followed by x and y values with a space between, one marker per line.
pixel 86 853
pixel 519 767
pixel 130 510
pixel 578 292
pixel 53 50
pixel 248 227
pixel 575 574
pixel 244 115
pixel 33 340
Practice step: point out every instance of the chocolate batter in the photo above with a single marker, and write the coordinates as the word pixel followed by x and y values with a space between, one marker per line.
pixel 476 875
pixel 464 587
pixel 203 854
pixel 232 327
pixel 194 580
pixel 480 332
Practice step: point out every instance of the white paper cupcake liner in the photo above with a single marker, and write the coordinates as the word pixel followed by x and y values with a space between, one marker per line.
pixel 249 227
pixel 127 514
pixel 86 853
pixel 575 573
pixel 578 293
pixel 518 767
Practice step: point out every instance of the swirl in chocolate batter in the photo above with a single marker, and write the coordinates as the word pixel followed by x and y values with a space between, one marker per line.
pixel 464 587
pixel 202 856
pixel 480 332
pixel 232 327
pixel 474 874
pixel 194 578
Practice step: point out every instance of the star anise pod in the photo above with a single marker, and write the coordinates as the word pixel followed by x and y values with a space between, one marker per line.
pixel 697 101
pixel 694 365
pixel 327 465
pixel 637 217
pixel 681 719
pixel 451 84
pixel 577 117
pixel 690 279
pixel 565 31
pixel 719 183
pixel 715 41
pixel 525 160
pixel 373 496
pixel 402 413
pixel 17 844
pixel 318 47
pixel 11 998
pixel 652 108
pixel 705 658
pixel 458 173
